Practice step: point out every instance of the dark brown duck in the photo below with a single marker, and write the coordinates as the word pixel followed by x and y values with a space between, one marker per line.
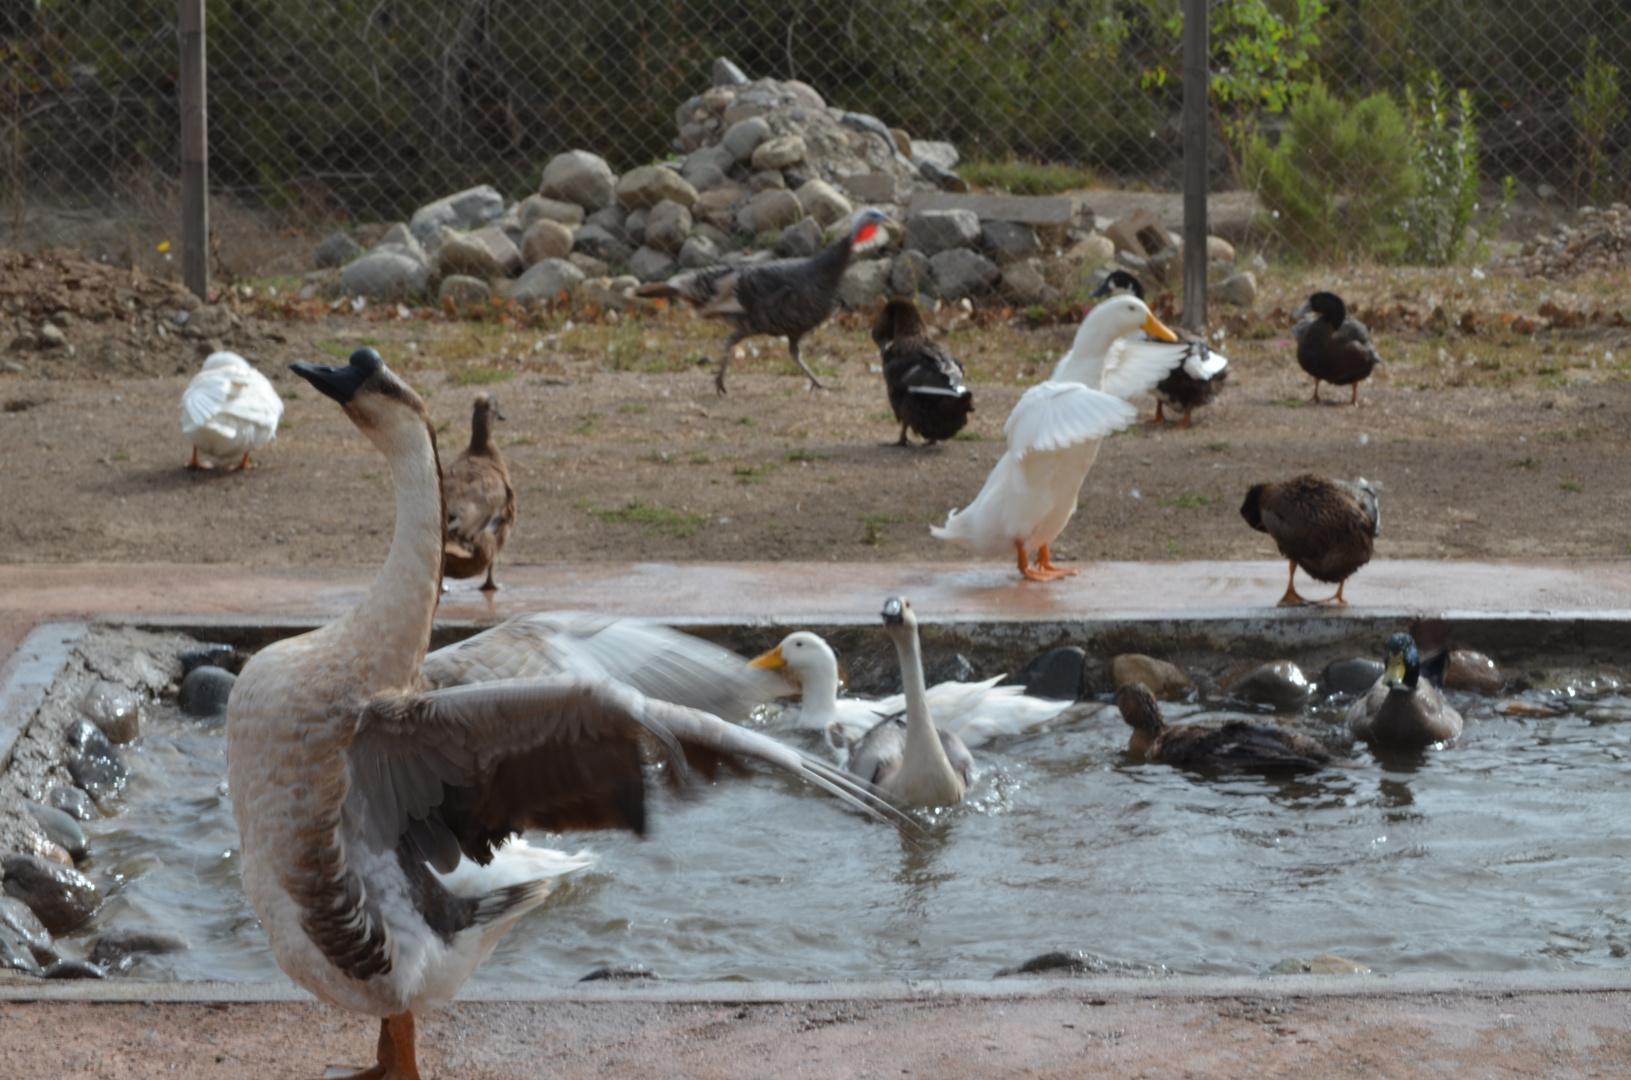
pixel 924 381
pixel 478 499
pixel 1331 346
pixel 1327 527
pixel 1235 746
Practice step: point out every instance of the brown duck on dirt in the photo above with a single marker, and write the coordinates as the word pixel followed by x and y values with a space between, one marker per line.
pixel 1331 346
pixel 925 382
pixel 1235 746
pixel 1327 527
pixel 479 501
pixel 787 297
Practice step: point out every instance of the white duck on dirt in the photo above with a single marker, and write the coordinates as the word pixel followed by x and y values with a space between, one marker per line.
pixel 228 410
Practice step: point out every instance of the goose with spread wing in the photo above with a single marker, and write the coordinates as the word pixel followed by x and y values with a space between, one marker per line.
pixel 375 787
pixel 1053 436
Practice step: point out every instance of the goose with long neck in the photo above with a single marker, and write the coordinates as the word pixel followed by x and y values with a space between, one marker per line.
pixel 908 758
pixel 376 788
pixel 1053 437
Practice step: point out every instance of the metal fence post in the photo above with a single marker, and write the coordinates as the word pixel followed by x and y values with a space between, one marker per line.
pixel 1196 78
pixel 195 199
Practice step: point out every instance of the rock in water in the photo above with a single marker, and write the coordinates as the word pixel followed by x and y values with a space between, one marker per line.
pixel 215 653
pixel 1474 671
pixel 117 949
pixel 1166 681
pixel 61 829
pixel 205 690
pixel 1352 676
pixel 16 919
pixel 95 763
pixel 15 953
pixel 1056 674
pixel 1280 685
pixel 116 709
pixel 72 801
pixel 61 897
pixel 74 969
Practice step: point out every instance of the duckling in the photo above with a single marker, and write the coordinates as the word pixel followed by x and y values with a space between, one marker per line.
pixel 228 410
pixel 906 757
pixel 375 787
pixel 1328 527
pixel 1235 746
pixel 925 382
pixel 1199 371
pixel 1331 346
pixel 1403 711
pixel 479 499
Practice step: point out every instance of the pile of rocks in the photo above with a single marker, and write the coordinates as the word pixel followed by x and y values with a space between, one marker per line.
pixel 1598 240
pixel 768 169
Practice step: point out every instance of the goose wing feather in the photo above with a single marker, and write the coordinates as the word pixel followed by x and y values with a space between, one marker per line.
pixel 653 659
pixel 1053 415
pixel 253 399
pixel 1135 364
pixel 487 760
pixel 203 399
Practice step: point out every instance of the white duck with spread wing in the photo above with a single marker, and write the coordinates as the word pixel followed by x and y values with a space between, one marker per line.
pixel 227 411
pixel 1196 372
pixel 376 788
pixel 1053 436
pixel 976 712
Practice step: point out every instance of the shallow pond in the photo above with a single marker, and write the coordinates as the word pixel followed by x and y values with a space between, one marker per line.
pixel 1507 852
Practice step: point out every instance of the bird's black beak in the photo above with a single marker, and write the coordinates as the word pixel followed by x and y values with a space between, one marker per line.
pixel 894 611
pixel 340 383
pixel 1101 292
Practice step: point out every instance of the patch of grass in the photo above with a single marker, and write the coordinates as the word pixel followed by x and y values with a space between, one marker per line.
pixel 658 457
pixel 586 423
pixel 1566 434
pixel 478 376
pixel 801 454
pixel 122 455
pixel 752 474
pixel 1217 447
pixel 1189 500
pixel 1173 548
pixel 1025 177
pixel 1401 441
pixel 632 409
pixel 701 459
pixel 337 349
pixel 1571 485
pixel 521 440
pixel 1290 402
pixel 442 428
pixel 885 417
pixel 746 421
pixel 969 436
pixel 1526 463
pixel 872 533
pixel 287 395
pixel 658 520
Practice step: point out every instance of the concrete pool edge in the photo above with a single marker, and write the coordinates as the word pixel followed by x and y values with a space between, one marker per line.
pixel 1408 984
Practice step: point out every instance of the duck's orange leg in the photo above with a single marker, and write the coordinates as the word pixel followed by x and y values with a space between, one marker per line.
pixel 396 1053
pixel 1044 562
pixel 194 464
pixel 1291 599
pixel 1316 398
pixel 244 464
pixel 1337 601
pixel 1184 425
pixel 1354 400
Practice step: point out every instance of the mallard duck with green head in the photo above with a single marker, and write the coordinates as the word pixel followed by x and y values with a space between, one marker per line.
pixel 1406 709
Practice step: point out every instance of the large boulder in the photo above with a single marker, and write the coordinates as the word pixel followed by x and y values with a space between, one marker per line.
pixel 743 138
pixel 824 202
pixel 780 152
pixel 462 291
pixel 667 226
pixel 960 273
pixel 535 208
pixel 718 207
pixel 464 253
pixel 775 209
pixel 1025 285
pixel 601 243
pixel 546 239
pixel 384 275
pixel 401 240
pixel 59 896
pixel 337 250
pixel 865 282
pixel 934 231
pixel 649 264
pixel 580 177
pixel 503 249
pixel 1006 240
pixel 651 184
pixel 910 275
pixel 469 209
pixel 698 252
pixel 545 281
pixel 800 239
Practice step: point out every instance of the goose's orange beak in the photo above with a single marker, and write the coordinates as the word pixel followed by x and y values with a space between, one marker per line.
pixel 1158 329
pixel 770 660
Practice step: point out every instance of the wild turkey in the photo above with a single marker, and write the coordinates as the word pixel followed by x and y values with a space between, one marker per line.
pixel 925 382
pixel 1198 372
pixel 479 500
pixel 786 297
pixel 1331 346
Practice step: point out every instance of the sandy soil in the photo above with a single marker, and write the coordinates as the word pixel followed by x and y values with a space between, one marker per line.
pixel 1073 1034
pixel 1483 445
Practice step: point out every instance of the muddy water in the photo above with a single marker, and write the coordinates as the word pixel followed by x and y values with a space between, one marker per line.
pixel 1506 852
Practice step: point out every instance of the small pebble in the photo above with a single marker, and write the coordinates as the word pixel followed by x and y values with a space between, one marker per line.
pixel 72 801
pixel 95 763
pixel 115 709
pixel 61 829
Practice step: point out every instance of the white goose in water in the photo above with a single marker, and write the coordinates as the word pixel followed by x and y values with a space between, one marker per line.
pixel 358 765
pixel 908 758
pixel 975 712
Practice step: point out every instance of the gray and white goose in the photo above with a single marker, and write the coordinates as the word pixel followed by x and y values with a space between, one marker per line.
pixel 362 771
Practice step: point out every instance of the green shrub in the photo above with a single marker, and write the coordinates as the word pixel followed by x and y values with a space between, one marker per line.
pixel 1596 107
pixel 1446 157
pixel 1335 184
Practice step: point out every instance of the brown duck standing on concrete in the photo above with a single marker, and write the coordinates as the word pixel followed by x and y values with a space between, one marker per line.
pixel 1331 346
pixel 1235 746
pixel 1327 527
pixel 479 500
pixel 786 297
pixel 925 382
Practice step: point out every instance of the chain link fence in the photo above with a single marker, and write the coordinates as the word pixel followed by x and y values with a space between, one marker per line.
pixel 1367 127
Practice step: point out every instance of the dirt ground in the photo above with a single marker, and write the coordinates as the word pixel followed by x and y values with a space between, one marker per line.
pixel 1497 429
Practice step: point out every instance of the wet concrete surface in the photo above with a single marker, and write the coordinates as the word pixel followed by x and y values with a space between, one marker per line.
pixel 1073 1031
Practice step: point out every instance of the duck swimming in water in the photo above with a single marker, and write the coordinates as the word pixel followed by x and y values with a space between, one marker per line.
pixel 373 785
pixel 1405 710
pixel 1235 746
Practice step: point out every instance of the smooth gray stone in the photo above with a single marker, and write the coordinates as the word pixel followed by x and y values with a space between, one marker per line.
pixel 1281 685
pixel 17 919
pixel 337 250
pixel 1352 676
pixel 95 763
pixel 15 953
pixel 117 949
pixel 61 829
pixel 74 969
pixel 115 709
pixel 205 690
pixel 800 239
pixel 600 243
pixel 1056 674
pixel 61 897
pixel 73 801
pixel 727 73
pixel 961 272
pixel 215 653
